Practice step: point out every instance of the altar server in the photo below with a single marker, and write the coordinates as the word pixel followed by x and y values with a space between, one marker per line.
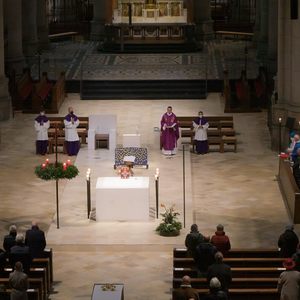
pixel 71 136
pixel 169 132
pixel 201 125
pixel 41 125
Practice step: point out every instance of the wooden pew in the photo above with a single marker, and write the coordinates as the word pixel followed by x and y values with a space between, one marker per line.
pixel 24 87
pixel 34 283
pixel 233 262
pixel 270 272
pixel 33 294
pixel 239 283
pixel 82 129
pixel 247 294
pixel 236 252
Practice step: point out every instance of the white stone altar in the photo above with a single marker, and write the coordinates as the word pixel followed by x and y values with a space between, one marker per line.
pixel 131 140
pixel 122 199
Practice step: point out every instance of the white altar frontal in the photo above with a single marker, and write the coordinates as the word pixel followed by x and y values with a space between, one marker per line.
pixel 122 199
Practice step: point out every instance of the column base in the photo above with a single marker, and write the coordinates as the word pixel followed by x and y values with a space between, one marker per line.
pixel 204 31
pixel 97 31
pixel 15 63
pixel 30 48
pixel 5 102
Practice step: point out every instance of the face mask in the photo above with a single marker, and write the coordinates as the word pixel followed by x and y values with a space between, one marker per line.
pixel 71 112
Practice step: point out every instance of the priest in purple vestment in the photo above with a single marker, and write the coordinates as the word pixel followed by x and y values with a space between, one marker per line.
pixel 41 125
pixel 169 132
pixel 71 136
pixel 201 125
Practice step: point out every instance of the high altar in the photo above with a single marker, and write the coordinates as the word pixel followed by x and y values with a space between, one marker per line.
pixel 150 11
pixel 146 20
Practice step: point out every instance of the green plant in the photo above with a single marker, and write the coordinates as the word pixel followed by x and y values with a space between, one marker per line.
pixel 50 171
pixel 170 224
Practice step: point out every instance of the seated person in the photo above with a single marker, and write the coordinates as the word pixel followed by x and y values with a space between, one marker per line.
pixel 10 239
pixel 193 239
pixel 215 292
pixel 221 240
pixel 204 257
pixel 20 252
pixel 185 291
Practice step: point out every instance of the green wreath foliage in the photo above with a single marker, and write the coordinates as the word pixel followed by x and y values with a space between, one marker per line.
pixel 54 172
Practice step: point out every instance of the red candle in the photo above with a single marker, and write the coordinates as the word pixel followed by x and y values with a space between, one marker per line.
pixel 43 166
pixel 65 166
pixel 68 162
pixel 47 161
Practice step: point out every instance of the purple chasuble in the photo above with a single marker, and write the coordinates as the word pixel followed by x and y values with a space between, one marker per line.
pixel 169 136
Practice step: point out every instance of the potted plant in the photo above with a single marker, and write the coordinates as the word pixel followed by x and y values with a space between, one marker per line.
pixel 170 226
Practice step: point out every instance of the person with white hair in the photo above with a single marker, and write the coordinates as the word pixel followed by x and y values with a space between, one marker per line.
pixel 10 239
pixel 20 252
pixel 288 242
pixel 215 292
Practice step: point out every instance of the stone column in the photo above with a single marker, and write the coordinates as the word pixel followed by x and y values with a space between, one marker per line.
pixel 202 18
pixel 14 52
pixel 29 25
pixel 42 25
pixel 262 41
pixel 101 8
pixel 288 104
pixel 272 36
pixel 5 104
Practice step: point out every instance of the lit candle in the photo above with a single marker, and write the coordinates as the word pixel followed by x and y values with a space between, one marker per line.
pixel 65 166
pixel 43 166
pixel 156 177
pixel 68 162
pixel 157 171
pixel 279 120
pixel 47 161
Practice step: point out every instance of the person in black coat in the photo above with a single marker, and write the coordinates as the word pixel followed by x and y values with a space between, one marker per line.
pixel 221 271
pixel 35 240
pixel 204 257
pixel 20 252
pixel 288 242
pixel 193 239
pixel 10 239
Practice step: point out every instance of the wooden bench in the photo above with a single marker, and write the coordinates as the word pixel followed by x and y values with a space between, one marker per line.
pixel 235 283
pixel 234 262
pixel 236 272
pixel 34 283
pixel 63 35
pixel 228 140
pixel 33 294
pixel 247 294
pixel 236 252
pixel 235 34
pixel 82 129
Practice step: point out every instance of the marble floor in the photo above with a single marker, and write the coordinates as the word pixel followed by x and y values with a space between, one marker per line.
pixel 237 189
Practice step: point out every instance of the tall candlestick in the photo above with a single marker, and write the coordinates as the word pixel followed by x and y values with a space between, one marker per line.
pixel 279 136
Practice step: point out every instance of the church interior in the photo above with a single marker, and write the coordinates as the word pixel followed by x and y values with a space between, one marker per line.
pixel 131 59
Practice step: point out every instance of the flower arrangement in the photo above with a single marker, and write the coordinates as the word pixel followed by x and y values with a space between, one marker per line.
pixel 55 171
pixel 170 226
pixel 125 172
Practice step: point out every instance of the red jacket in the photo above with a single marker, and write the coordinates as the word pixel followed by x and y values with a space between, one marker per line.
pixel 221 241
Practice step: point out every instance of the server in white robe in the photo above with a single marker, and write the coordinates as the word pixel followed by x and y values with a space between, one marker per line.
pixel 201 125
pixel 41 125
pixel 71 122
